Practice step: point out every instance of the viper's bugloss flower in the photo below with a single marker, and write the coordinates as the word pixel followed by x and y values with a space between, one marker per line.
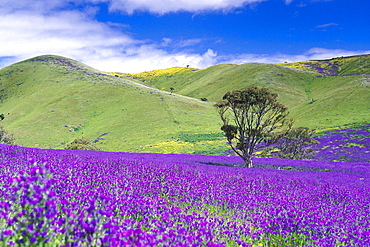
pixel 30 228
pixel 91 206
pixel 8 233
pixel 64 201
pixel 183 200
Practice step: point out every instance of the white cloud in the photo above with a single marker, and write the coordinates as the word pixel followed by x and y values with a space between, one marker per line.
pixel 149 57
pixel 312 54
pixel 25 34
pixel 180 43
pixel 166 41
pixel 327 25
pixel 40 6
pixel 318 53
pixel 189 42
pixel 166 6
pixel 31 28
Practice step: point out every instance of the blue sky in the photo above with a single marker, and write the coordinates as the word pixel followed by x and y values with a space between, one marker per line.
pixel 142 35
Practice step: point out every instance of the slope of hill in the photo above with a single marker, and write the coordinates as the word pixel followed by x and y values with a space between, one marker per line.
pixel 314 99
pixel 353 65
pixel 213 82
pixel 50 100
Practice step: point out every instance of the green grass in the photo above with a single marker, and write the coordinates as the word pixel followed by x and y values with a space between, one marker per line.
pixel 194 138
pixel 314 100
pixel 55 104
pixel 212 83
pixel 49 101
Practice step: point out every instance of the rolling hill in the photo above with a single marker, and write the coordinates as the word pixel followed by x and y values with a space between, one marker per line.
pixel 316 99
pixel 342 66
pixel 50 100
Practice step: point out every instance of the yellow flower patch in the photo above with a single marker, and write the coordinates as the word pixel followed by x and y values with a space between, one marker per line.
pixel 182 147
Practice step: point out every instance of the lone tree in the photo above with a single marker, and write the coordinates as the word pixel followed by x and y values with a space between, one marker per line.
pixel 252 120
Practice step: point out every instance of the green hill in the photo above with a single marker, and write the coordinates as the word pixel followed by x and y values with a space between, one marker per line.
pixel 353 65
pixel 50 100
pixel 315 99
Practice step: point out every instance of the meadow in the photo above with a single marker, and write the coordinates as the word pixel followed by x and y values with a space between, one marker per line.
pixel 96 198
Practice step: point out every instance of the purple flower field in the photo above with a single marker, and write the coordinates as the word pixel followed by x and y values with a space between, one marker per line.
pixel 345 145
pixel 92 198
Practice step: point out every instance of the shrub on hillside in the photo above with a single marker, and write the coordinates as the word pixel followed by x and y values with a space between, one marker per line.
pixel 297 144
pixel 82 143
pixel 5 137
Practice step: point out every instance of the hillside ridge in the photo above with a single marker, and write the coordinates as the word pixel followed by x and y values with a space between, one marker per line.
pixel 303 89
pixel 339 66
pixel 50 100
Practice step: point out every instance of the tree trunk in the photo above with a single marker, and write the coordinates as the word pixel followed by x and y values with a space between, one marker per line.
pixel 248 162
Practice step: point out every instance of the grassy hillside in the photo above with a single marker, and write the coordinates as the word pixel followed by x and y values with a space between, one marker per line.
pixel 314 99
pixel 353 65
pixel 213 82
pixel 50 100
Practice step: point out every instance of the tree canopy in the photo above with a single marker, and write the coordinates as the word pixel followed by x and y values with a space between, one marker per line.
pixel 252 120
